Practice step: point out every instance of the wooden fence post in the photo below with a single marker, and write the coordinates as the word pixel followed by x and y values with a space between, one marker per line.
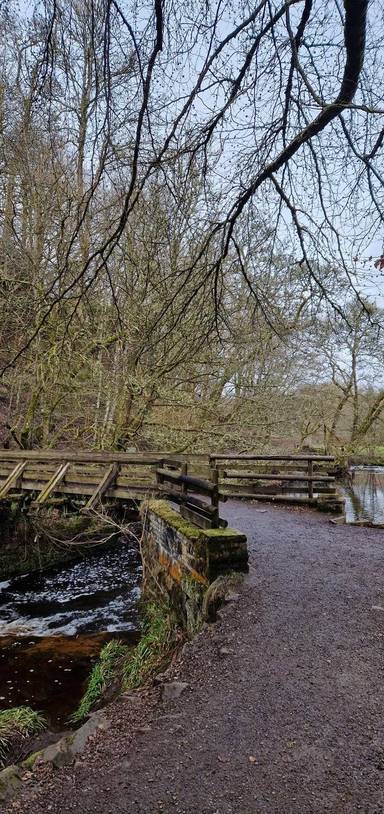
pixel 184 486
pixel 159 478
pixel 215 495
pixel 310 475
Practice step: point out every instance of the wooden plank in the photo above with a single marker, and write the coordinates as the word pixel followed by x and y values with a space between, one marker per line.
pixel 278 477
pixel 105 483
pixel 12 479
pixel 246 457
pixel 269 498
pixel 132 492
pixel 204 507
pixel 84 456
pixel 191 501
pixel 195 484
pixel 175 463
pixel 94 480
pixel 310 479
pixel 200 520
pixel 287 489
pixel 53 483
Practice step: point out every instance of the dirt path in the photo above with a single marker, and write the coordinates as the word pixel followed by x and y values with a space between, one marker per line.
pixel 284 710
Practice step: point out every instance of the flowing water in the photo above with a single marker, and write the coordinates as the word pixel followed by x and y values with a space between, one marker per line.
pixel 364 494
pixel 54 623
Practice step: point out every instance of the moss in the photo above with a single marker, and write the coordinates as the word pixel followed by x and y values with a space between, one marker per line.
pixel 32 557
pixel 193 595
pixel 191 532
pixel 10 782
pixel 224 534
pixel 163 510
pixel 30 761
pixel 31 543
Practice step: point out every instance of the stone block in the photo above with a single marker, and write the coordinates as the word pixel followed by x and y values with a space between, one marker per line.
pixel 183 560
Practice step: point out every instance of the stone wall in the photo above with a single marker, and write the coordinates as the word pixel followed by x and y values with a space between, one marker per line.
pixel 182 561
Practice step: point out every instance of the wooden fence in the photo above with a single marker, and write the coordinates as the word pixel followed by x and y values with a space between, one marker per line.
pixel 54 476
pixel 196 483
pixel 96 476
pixel 177 485
pixel 282 478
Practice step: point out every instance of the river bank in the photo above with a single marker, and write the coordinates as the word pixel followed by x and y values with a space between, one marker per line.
pixel 82 591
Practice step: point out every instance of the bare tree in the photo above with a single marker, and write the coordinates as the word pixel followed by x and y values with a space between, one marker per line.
pixel 269 106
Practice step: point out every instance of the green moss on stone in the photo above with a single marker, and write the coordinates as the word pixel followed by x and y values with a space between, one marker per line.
pixel 30 543
pixel 30 761
pixel 188 530
pixel 193 595
pixel 224 534
pixel 161 508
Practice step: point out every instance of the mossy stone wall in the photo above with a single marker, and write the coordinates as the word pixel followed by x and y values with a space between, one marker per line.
pixel 181 560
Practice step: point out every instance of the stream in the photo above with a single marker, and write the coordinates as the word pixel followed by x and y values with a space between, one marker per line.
pixel 53 624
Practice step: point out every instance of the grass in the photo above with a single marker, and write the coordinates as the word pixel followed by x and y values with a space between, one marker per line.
pixel 15 724
pixel 370 452
pixel 129 668
pixel 152 653
pixel 108 669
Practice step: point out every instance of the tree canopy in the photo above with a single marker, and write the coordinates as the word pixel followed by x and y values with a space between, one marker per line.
pixel 187 190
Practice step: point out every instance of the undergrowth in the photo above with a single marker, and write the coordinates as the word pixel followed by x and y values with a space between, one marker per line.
pixel 130 668
pixel 16 724
pixel 109 668
pixel 159 638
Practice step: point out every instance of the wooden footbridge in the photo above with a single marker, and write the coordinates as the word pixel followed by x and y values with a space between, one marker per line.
pixel 196 482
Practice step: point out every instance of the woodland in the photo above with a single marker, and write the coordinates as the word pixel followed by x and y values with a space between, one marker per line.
pixel 191 225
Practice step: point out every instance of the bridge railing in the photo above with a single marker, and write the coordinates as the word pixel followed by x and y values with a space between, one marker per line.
pixel 284 478
pixel 196 483
pixel 186 490
pixel 90 478
pixel 51 474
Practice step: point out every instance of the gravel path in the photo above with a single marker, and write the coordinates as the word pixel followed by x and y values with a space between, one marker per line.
pixel 283 713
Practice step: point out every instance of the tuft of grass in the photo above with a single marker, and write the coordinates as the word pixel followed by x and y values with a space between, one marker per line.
pixel 108 669
pixel 152 653
pixel 128 668
pixel 15 724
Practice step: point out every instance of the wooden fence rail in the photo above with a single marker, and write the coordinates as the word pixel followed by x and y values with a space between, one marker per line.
pixel 53 476
pixel 175 483
pixel 287 478
pixel 196 483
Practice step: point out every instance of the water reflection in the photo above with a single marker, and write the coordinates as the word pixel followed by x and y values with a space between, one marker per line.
pixel 364 494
